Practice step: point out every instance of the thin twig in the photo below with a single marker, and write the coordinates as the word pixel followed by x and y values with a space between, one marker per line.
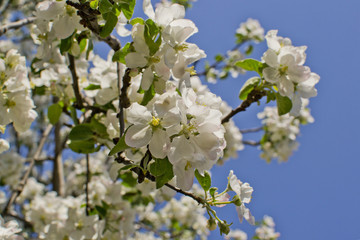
pixel 16 25
pixel 22 183
pixel 152 178
pixel 253 96
pixel 124 101
pixel 251 143
pixel 88 178
pixel 196 198
pixel 251 130
pixel 75 84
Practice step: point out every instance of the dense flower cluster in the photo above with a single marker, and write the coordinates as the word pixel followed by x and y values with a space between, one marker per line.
pixel 286 71
pixel 15 99
pixel 279 140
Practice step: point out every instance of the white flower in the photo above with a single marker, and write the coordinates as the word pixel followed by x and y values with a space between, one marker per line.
pixel 4 145
pixel 243 191
pixel 8 230
pixel 251 29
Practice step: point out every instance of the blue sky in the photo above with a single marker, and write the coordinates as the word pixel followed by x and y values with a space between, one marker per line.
pixel 316 194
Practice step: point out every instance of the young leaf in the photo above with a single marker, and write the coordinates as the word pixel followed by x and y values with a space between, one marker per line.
pixel 92 87
pixel 81 132
pixel 65 44
pixel 250 65
pixel 162 169
pixel 205 181
pixel 284 104
pixel 94 4
pixel 119 147
pixel 83 146
pixel 137 20
pixel 111 21
pixel 119 56
pixel 149 94
pixel 152 35
pixel 128 8
pixel 105 6
pixel 249 85
pixel 54 112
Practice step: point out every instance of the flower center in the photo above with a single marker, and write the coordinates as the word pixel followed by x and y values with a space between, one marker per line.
pixel 155 122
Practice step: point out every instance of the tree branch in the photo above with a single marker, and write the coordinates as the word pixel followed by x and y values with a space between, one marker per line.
pixel 16 25
pixel 75 84
pixel 22 183
pixel 196 198
pixel 251 130
pixel 89 20
pixel 58 180
pixel 88 178
pixel 253 96
pixel 251 143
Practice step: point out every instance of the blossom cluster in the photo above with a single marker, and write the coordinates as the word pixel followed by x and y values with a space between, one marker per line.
pixel 279 140
pixel 285 69
pixel 15 99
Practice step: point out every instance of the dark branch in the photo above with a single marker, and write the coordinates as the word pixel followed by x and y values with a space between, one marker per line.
pixel 251 130
pixel 89 20
pixel 253 96
pixel 75 82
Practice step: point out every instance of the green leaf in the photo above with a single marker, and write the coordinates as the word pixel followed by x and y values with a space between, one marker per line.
pixel 270 96
pixel 162 169
pixel 137 20
pixel 89 49
pixel 212 192
pixel 284 104
pixel 205 181
pixel 94 4
pixel 128 180
pixel 83 44
pixel 128 8
pixel 98 128
pixel 92 87
pixel 65 44
pixel 249 50
pixel 54 112
pixel 219 57
pixel 81 132
pixel 111 21
pixel 119 147
pixel 101 210
pixel 149 94
pixel 250 65
pixel 80 146
pixel 249 85
pixel 73 115
pixel 152 35
pixel 119 56
pixel 105 6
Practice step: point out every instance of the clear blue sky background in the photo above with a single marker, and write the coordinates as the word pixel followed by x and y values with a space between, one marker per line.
pixel 316 194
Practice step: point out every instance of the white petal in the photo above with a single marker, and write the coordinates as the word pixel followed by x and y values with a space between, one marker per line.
pixel 135 59
pixel 138 135
pixel 271 74
pixel 148 9
pixel 159 143
pixel 138 114
pixel 147 79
